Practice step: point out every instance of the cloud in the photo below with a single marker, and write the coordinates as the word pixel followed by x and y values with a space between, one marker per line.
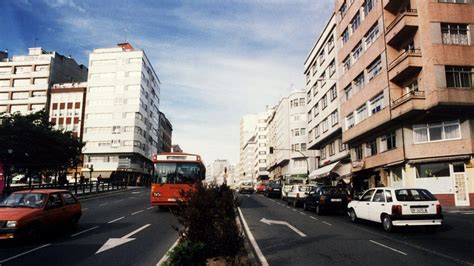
pixel 217 60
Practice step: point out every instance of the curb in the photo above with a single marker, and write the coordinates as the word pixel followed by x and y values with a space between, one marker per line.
pixel 251 249
pixel 106 193
pixel 248 247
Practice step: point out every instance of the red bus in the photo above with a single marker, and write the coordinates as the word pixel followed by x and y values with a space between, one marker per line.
pixel 174 172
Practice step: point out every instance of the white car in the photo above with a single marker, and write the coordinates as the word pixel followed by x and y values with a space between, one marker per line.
pixel 397 207
pixel 297 194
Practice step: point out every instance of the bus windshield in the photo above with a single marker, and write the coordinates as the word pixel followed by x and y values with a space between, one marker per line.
pixel 177 173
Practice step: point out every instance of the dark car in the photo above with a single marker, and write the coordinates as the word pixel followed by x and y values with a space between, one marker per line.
pixel 273 190
pixel 325 198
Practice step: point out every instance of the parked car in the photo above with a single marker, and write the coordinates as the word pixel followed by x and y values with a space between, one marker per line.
pixel 246 187
pixel 273 189
pixel 29 213
pixel 285 190
pixel 326 198
pixel 260 187
pixel 397 207
pixel 297 194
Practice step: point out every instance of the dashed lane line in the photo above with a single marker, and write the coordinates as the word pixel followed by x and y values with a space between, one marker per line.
pixel 103 204
pixel 84 231
pixel 303 213
pixel 387 247
pixel 149 208
pixel 137 212
pixel 314 218
pixel 115 220
pixel 324 222
pixel 85 209
pixel 24 253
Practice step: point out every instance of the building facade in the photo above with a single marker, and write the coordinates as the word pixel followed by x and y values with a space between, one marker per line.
pixel 248 124
pixel 165 134
pixel 122 116
pixel 248 153
pixel 26 80
pixel 218 172
pixel 322 109
pixel 261 145
pixel 407 94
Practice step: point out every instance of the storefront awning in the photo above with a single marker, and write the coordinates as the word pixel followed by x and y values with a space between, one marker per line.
pixel 323 171
pixel 440 159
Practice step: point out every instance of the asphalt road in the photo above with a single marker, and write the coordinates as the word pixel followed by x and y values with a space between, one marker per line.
pixel 332 239
pixel 145 234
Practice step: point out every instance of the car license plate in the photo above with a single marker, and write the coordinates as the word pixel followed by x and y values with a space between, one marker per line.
pixel 277 189
pixel 171 199
pixel 336 200
pixel 419 210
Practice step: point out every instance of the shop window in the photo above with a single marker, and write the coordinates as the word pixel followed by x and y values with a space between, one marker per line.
pixel 429 170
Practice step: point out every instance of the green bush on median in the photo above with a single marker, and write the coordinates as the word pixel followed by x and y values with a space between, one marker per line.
pixel 209 227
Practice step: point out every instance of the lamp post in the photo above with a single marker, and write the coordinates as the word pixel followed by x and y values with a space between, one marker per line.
pixel 303 156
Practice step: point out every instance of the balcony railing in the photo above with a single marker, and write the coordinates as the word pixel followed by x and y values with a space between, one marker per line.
pixel 408 96
pixel 400 16
pixel 401 57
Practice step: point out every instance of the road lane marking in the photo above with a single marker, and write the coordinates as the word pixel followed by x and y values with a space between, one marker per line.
pixel 24 253
pixel 288 207
pixel 149 208
pixel 324 222
pixel 119 200
pixel 136 192
pixel 165 257
pixel 303 213
pixel 84 231
pixel 382 245
pixel 85 209
pixel 294 210
pixel 131 197
pixel 261 257
pixel 137 212
pixel 114 242
pixel 270 222
pixel 103 204
pixel 314 218
pixel 118 219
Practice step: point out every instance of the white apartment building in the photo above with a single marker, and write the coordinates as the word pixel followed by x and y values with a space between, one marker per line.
pixel 26 80
pixel 218 172
pixel 248 166
pixel 261 147
pixel 122 115
pixel 323 108
pixel 248 123
pixel 67 107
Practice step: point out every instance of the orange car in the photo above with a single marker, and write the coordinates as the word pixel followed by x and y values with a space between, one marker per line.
pixel 29 213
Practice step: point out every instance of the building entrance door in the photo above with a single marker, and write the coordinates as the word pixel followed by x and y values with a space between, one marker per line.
pixel 461 197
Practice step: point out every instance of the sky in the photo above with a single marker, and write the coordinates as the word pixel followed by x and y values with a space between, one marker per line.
pixel 217 59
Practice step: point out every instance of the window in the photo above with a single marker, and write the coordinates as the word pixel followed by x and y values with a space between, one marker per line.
pixel 396 174
pixel 21 82
pixel 332 148
pixel 359 82
pixel 368 6
pixel 345 36
pixel 330 44
pixel 308 96
pixel 374 69
pixel 3 96
pixel 333 93
pixel 350 121
pixel 348 92
pixel 321 57
pixel 103 62
pixel 302 131
pixel 324 125
pixel 332 68
pixel 302 102
pixel 459 76
pixel 316 109
pixel 334 118
pixel 372 35
pixel 371 147
pixel 20 95
pixel 436 131
pixel 454 34
pixel 310 115
pixel 324 102
pixel 388 141
pixel 346 64
pixel 315 89
pixel 322 79
pixel 314 69
pixel 323 153
pixel 4 83
pixel 262 153
pixel 362 113
pixel 343 10
pixel 303 146
pixel 22 69
pixel 342 146
pixel 296 132
pixel 41 68
pixel 376 104
pixel 379 196
pixel 367 195
pixel 355 23
pixel 116 130
pixel 36 94
pixel 432 170
pixel 357 52
pixel 316 132
pixel 358 153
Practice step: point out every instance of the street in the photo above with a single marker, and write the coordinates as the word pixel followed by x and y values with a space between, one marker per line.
pixel 135 233
pixel 289 236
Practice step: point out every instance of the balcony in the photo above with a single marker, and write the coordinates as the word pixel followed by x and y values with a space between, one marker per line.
pixel 403 27
pixel 407 97
pixel 405 65
pixel 394 5
pixel 408 104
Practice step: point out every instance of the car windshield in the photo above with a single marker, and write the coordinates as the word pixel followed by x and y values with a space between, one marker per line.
pixel 333 190
pixel 24 200
pixel 304 188
pixel 178 173
pixel 414 195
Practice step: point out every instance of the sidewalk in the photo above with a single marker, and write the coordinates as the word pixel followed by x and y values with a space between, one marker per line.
pixel 94 194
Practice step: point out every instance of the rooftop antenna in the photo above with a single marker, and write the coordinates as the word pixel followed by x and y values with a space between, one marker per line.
pixel 125 33
pixel 36 39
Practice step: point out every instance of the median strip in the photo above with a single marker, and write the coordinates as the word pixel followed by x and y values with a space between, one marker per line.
pixel 382 245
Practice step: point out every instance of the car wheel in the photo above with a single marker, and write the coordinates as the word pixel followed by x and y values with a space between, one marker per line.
pixel 305 207
pixel 318 210
pixel 75 222
pixel 387 223
pixel 295 203
pixel 353 215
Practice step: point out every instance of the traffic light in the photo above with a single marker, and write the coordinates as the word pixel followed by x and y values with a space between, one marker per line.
pixel 271 150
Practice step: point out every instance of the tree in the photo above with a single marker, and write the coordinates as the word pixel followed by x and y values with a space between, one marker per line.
pixel 29 142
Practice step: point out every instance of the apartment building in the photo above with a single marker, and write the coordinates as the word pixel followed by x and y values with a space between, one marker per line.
pixel 26 80
pixel 248 124
pixel 407 94
pixel 218 172
pixel 287 136
pixel 261 145
pixel 165 134
pixel 248 160
pixel 323 109
pixel 67 107
pixel 122 117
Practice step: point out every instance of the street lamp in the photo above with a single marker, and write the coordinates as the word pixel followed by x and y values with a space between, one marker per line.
pixel 303 156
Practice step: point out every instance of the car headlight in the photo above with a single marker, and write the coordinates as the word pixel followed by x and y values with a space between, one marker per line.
pixel 11 224
pixel 156 194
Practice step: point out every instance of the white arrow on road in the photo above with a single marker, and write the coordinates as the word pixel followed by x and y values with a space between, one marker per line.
pixel 114 242
pixel 270 222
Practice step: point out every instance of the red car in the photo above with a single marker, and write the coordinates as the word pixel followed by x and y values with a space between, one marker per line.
pixel 260 187
pixel 29 213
